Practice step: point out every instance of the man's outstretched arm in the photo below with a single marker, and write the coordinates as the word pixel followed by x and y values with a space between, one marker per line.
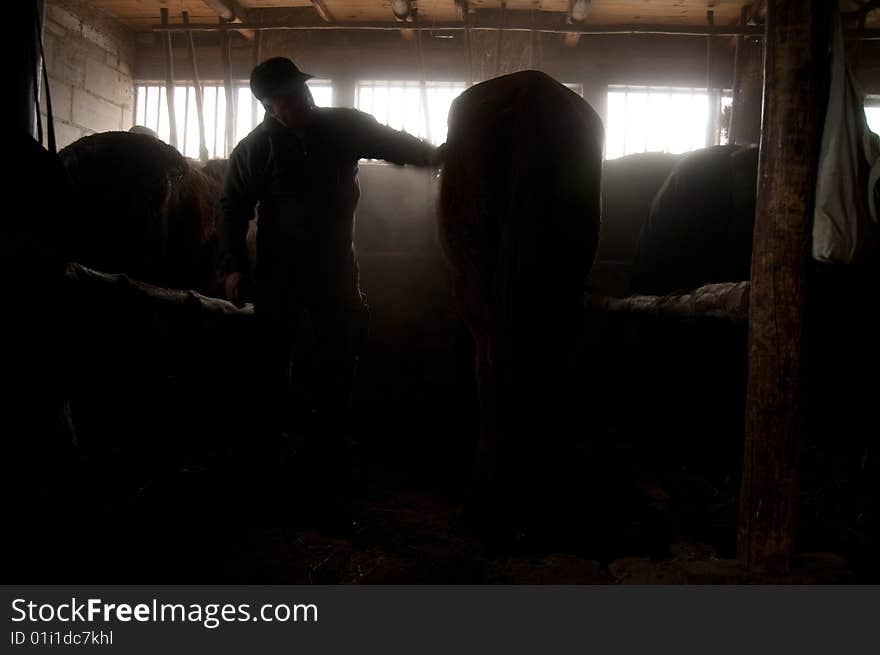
pixel 376 141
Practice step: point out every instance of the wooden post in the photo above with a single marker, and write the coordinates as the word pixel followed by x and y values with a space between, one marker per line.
pixel 203 149
pixel 795 94
pixel 169 79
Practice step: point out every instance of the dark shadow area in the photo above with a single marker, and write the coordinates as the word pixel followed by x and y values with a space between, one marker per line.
pixel 162 485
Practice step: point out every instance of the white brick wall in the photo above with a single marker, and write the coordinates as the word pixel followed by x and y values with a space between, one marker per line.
pixel 89 59
pixel 95 113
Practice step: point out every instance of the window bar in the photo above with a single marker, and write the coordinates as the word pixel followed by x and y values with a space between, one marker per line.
pixel 185 119
pixel 169 80
pixel 200 111
pixel 158 108
pixel 258 55
pixel 216 115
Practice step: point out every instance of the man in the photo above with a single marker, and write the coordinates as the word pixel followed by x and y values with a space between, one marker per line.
pixel 299 167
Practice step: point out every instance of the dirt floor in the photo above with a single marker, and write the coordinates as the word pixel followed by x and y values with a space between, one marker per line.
pixel 216 523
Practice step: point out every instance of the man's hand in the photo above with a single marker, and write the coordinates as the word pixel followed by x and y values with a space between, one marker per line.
pixel 438 156
pixel 232 287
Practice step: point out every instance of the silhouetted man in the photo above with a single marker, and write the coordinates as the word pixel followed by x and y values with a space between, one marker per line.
pixel 299 168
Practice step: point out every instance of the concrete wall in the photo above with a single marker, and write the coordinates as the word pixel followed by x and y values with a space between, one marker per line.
pixel 89 60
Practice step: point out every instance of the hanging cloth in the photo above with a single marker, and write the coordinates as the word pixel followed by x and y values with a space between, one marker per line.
pixel 845 227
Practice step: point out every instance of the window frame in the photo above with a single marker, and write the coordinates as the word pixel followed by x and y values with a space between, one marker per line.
pixel 217 89
pixel 716 132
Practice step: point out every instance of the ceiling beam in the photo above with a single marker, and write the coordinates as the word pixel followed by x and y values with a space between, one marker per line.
pixel 758 11
pixel 322 11
pixel 515 21
pixel 230 11
pixel 308 19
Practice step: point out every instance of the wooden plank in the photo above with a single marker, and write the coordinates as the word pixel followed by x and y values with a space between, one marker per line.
pixel 322 11
pixel 795 94
pixel 514 21
pixel 136 13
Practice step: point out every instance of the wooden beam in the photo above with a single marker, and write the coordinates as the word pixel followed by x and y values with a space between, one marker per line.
pixel 796 71
pixel 230 11
pixel 169 80
pixel 758 11
pixel 514 20
pixel 489 19
pixel 322 11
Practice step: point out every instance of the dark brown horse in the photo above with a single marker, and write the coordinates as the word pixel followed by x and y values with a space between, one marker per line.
pixel 519 221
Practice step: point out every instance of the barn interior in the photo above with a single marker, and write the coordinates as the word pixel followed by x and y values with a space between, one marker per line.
pixel 720 365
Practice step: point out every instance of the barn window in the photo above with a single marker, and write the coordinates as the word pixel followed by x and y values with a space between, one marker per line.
pixel 151 110
pixel 663 119
pixel 872 112
pixel 399 105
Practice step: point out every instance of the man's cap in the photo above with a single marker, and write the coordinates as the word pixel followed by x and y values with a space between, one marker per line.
pixel 276 76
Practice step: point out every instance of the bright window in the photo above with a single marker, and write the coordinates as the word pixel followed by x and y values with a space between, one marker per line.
pixel 724 116
pixel 872 113
pixel 400 105
pixel 151 110
pixel 656 119
pixel 322 92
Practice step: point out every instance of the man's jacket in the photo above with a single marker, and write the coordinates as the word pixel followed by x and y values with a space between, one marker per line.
pixel 306 190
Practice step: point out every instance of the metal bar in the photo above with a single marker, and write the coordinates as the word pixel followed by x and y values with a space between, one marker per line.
pixel 185 118
pixel 499 38
pixel 595 30
pixel 423 84
pixel 203 149
pixel 158 108
pixel 468 53
pixel 226 54
pixel 216 116
pixel 711 96
pixel 258 55
pixel 532 38
pixel 737 72
pixel 169 80
pixel 710 19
